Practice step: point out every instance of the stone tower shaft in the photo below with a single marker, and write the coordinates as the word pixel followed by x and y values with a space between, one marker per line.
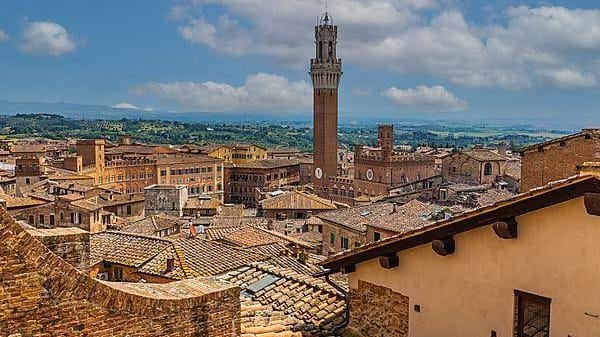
pixel 326 73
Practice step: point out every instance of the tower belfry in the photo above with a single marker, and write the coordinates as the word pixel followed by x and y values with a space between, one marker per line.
pixel 325 72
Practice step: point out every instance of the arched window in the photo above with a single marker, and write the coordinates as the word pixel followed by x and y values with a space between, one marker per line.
pixel 487 169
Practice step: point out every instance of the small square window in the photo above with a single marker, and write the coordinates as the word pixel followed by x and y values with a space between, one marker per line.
pixel 532 315
pixel 376 236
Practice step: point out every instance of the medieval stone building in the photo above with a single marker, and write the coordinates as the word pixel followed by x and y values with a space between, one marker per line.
pixel 558 158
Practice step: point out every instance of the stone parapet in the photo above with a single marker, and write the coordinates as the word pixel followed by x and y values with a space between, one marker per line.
pixel 43 295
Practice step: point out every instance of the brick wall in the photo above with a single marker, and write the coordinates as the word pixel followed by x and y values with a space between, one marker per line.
pixel 378 311
pixel 73 248
pixel 461 168
pixel 42 295
pixel 389 173
pixel 558 160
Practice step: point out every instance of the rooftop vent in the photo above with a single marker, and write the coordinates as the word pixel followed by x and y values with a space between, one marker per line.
pixel 262 284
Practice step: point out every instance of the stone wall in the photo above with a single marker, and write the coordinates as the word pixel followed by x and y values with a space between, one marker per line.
pixel 165 199
pixel 378 311
pixel 558 160
pixel 340 231
pixel 42 295
pixel 74 248
pixel 461 168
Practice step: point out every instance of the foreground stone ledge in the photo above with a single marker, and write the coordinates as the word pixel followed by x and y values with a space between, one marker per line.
pixel 43 295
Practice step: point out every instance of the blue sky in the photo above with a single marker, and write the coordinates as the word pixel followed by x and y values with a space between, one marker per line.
pixel 402 58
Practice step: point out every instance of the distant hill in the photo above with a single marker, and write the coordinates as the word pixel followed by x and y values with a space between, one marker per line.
pixel 85 111
pixel 469 119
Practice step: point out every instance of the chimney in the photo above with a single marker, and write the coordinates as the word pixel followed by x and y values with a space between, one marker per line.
pixel 303 257
pixel 125 140
pixel 308 214
pixel 270 224
pixel 394 207
pixel 170 264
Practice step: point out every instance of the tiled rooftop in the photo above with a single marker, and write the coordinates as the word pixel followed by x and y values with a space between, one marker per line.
pixel 210 258
pixel 267 163
pixel 484 155
pixel 297 200
pixel 126 249
pixel 310 305
pixel 251 236
pixel 152 224
pixel 280 256
pixel 199 203
pixel 413 214
pixel 492 196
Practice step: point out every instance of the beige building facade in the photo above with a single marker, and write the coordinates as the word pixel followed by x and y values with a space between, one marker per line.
pixel 475 283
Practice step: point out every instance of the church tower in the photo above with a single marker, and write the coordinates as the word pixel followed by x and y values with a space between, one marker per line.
pixel 325 72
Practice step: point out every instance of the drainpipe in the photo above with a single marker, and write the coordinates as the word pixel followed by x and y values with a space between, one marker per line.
pixel 346 320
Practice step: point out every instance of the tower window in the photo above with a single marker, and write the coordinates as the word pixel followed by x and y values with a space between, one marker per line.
pixel 320 53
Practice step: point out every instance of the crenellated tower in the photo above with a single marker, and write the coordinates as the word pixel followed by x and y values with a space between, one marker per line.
pixel 325 72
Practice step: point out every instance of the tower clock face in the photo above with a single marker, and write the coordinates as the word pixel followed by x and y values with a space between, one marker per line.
pixel 318 173
pixel 370 174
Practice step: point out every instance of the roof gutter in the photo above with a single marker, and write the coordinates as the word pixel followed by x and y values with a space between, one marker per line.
pixel 346 320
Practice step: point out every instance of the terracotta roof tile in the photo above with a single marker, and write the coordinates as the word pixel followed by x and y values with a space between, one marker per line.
pixel 210 258
pixel 153 224
pixel 312 306
pixel 413 214
pixel 251 236
pixel 297 200
pixel 123 248
pixel 281 256
pixel 267 163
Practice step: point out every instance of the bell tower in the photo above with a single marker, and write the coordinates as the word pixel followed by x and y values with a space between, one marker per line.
pixel 325 72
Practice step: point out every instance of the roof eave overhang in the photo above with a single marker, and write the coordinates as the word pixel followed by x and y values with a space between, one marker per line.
pixel 512 208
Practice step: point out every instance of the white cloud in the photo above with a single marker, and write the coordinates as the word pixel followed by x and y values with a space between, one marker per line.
pixel 125 105
pixel 226 36
pixel 46 38
pixel 525 47
pixel 569 77
pixel 422 98
pixel 3 36
pixel 260 93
